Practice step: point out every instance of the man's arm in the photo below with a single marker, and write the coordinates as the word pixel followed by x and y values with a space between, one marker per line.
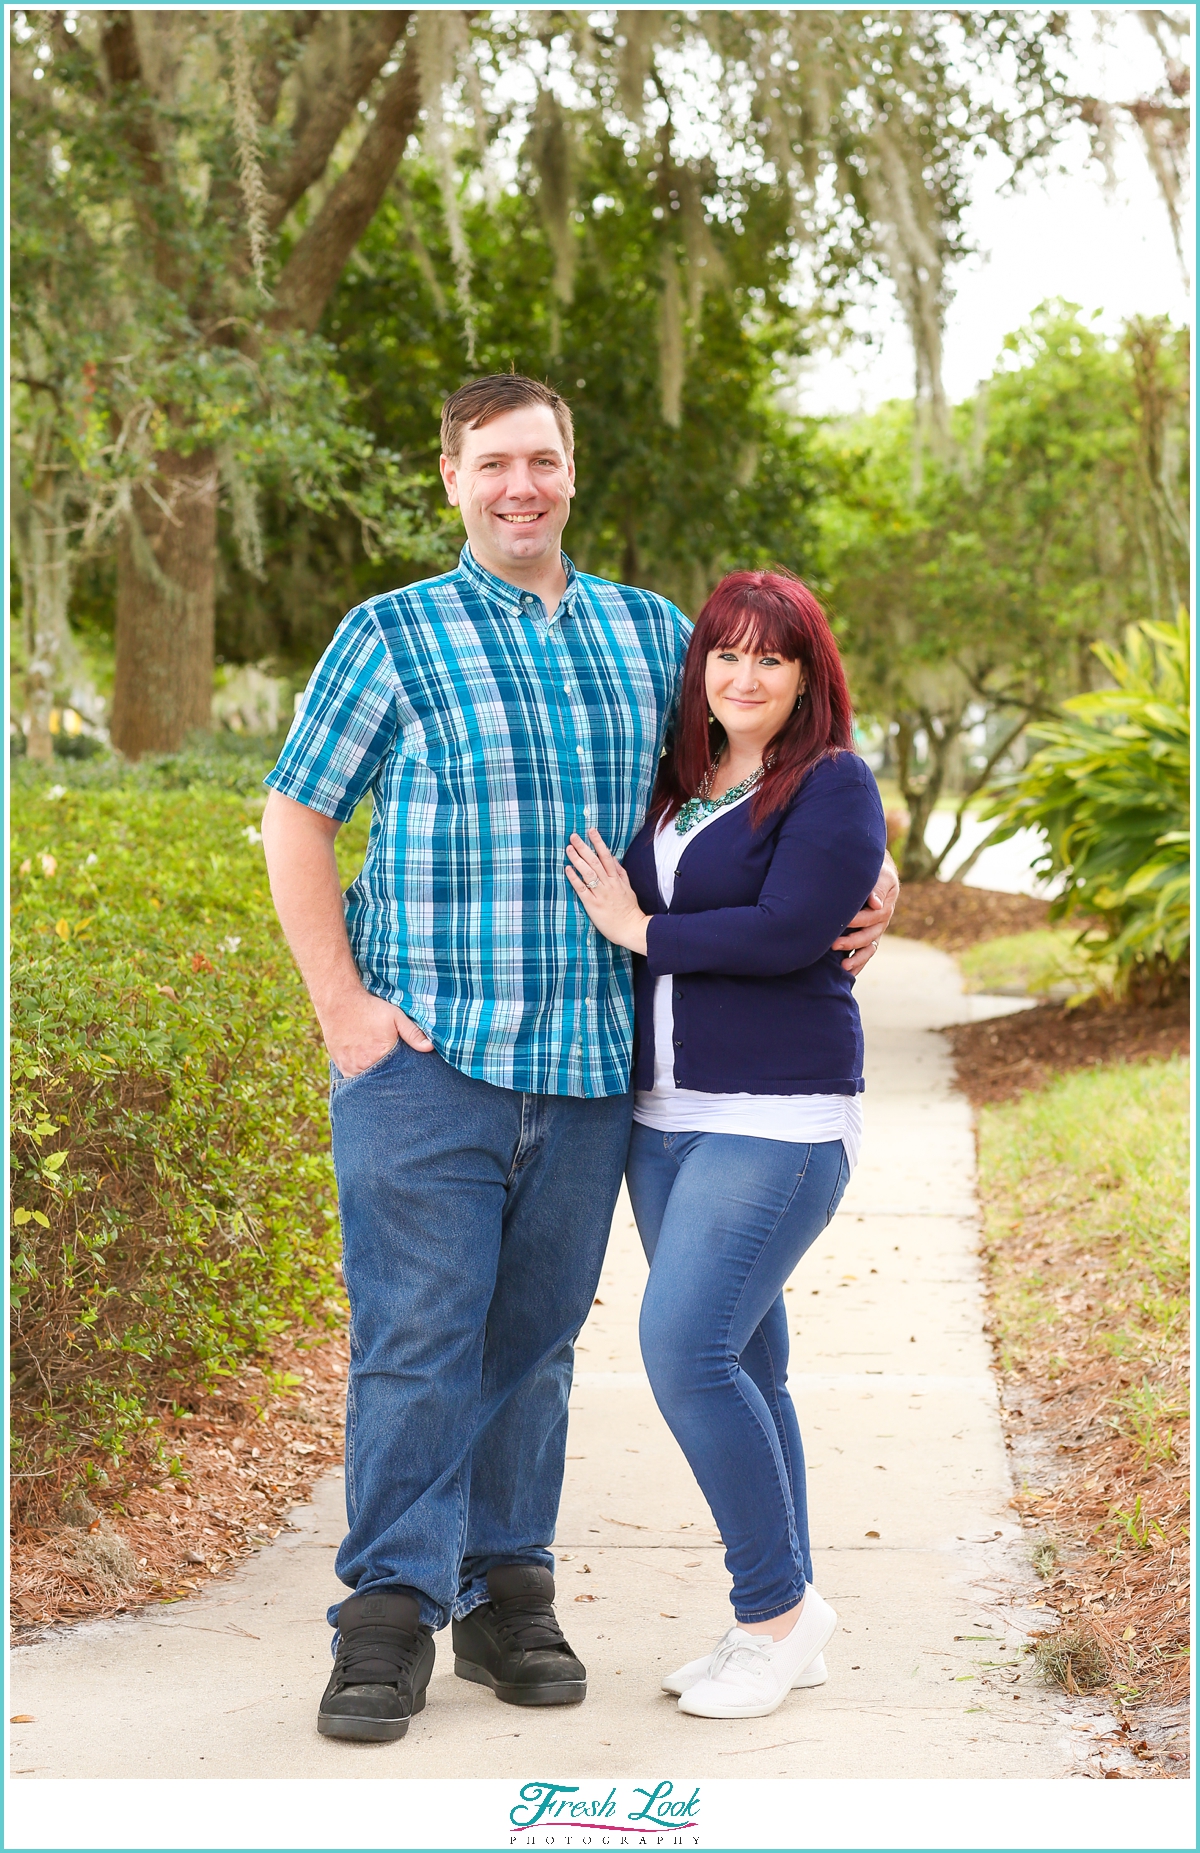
pixel 865 931
pixel 359 1029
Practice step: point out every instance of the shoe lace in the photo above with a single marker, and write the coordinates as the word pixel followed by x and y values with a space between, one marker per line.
pixel 527 1625
pixel 739 1650
pixel 376 1655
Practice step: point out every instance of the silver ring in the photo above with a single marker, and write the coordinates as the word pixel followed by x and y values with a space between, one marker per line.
pixel 595 883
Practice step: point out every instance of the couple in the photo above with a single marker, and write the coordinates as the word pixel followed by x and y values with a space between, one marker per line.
pixel 476 998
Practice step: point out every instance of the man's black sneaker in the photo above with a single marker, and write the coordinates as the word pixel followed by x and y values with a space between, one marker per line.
pixel 513 1642
pixel 384 1660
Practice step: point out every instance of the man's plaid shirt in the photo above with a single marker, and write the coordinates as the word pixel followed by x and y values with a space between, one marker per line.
pixel 486 735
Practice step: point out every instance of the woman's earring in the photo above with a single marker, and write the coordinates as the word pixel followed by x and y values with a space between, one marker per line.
pixel 712 720
pixel 800 699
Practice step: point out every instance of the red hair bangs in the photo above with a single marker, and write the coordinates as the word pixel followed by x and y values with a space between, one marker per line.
pixel 768 613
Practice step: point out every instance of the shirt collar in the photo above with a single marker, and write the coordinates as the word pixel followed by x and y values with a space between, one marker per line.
pixel 513 599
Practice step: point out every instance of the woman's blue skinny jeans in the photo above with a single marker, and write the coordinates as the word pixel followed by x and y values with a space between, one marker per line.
pixel 724 1219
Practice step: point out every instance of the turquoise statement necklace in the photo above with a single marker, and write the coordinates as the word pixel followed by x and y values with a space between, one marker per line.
pixel 702 806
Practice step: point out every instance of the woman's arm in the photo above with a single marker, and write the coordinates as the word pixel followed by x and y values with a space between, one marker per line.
pixel 827 857
pixel 812 889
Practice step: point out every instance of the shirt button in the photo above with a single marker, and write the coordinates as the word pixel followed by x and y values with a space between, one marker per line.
pixel 579 750
pixel 679 993
pixel 678 1043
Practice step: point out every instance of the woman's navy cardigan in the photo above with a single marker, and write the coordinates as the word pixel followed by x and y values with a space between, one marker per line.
pixel 761 1004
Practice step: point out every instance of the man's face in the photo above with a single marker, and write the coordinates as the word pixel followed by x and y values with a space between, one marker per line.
pixel 514 482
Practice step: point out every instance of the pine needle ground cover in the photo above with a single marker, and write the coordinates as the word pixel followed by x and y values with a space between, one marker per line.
pixel 1085 1193
pixel 173 1207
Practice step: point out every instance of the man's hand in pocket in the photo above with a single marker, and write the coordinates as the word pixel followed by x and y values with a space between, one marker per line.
pixel 364 1030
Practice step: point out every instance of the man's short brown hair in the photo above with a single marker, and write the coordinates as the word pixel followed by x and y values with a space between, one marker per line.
pixel 479 401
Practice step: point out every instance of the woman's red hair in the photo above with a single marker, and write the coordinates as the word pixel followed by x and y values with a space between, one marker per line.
pixel 769 613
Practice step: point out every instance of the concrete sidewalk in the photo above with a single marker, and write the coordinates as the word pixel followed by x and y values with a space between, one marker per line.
pixel 914 1540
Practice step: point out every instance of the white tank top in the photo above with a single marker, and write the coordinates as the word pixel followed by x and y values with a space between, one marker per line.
pixel 800 1119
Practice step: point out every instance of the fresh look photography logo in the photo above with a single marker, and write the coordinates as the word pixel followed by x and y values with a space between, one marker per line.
pixel 574 1814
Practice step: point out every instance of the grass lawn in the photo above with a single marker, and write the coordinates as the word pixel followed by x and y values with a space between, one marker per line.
pixel 1085 1192
pixel 1028 964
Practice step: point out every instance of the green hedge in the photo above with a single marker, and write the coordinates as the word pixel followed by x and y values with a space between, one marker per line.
pixel 172 1192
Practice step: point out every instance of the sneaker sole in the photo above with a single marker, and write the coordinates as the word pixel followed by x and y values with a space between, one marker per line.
pixel 801 1683
pixel 555 1692
pixel 367 1730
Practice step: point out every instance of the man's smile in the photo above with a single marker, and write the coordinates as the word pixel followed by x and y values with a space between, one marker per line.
pixel 521 520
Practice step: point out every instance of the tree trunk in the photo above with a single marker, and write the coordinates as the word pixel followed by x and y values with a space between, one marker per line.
pixel 922 793
pixel 43 557
pixel 166 561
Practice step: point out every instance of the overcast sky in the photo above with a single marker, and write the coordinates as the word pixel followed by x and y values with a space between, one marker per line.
pixel 1064 236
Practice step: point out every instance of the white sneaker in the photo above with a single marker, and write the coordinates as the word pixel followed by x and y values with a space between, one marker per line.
pixel 691 1674
pixel 750 1675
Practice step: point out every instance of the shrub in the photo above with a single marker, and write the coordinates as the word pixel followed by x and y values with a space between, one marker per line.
pixel 172 1192
pixel 1110 789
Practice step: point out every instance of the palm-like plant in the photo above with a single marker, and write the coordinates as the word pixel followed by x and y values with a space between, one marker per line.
pixel 1110 790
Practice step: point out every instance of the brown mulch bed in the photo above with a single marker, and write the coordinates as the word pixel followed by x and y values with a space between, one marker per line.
pixel 1128 1591
pixel 1006 1056
pixel 954 916
pixel 245 1456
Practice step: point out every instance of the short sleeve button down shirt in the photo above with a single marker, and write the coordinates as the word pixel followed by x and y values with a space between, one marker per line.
pixel 486 733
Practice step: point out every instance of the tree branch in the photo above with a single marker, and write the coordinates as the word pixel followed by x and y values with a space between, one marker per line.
pixel 152 200
pixel 332 94
pixel 273 69
pixel 975 785
pixel 311 272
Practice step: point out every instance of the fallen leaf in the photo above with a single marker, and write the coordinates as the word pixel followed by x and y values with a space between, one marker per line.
pixel 870 1534
pixel 587 1597
pixel 23 1717
pixel 165 990
pixel 1129 1634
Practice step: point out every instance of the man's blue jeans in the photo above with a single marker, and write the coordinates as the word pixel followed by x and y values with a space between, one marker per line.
pixel 474 1223
pixel 724 1219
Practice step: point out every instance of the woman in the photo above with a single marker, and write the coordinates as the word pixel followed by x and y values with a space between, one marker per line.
pixel 764 837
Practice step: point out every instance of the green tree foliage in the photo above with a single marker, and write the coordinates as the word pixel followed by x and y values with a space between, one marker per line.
pixel 206 177
pixel 172 1191
pixel 1110 788
pixel 156 157
pixel 668 506
pixel 969 599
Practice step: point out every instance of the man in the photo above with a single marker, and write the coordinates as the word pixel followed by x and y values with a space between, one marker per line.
pixel 479 1033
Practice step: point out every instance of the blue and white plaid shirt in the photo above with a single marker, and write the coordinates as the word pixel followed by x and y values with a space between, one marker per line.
pixel 486 734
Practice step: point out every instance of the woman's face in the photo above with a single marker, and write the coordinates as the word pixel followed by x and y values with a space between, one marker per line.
pixel 751 693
